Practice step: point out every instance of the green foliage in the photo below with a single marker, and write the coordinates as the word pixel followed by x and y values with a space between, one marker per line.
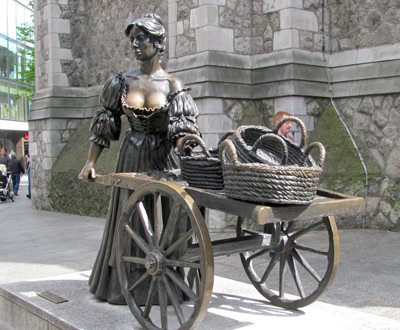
pixel 26 72
pixel 343 170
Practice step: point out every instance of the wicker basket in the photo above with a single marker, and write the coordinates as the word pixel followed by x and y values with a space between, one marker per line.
pixel 201 169
pixel 264 183
pixel 270 152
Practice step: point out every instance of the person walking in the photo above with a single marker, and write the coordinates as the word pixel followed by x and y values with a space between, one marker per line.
pixel 16 169
pixel 28 172
pixel 4 159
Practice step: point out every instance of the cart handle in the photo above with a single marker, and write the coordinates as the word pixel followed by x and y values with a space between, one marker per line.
pixel 298 122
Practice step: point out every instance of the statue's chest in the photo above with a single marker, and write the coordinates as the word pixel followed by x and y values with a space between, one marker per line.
pixel 143 93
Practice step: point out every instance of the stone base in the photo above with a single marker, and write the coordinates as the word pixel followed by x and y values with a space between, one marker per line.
pixel 21 307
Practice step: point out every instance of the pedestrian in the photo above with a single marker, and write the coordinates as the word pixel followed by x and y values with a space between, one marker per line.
pixel 285 128
pixel 4 158
pixel 17 169
pixel 28 172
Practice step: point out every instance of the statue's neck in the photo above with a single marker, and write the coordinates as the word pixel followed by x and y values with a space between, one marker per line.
pixel 150 66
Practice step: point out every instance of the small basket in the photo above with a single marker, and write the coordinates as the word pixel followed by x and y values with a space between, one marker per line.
pixel 265 183
pixel 201 169
pixel 245 137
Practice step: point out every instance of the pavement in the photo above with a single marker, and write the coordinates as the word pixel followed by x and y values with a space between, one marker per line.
pixel 48 251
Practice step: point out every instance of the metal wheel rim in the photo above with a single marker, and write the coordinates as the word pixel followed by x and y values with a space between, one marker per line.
pixel 205 268
pixel 332 259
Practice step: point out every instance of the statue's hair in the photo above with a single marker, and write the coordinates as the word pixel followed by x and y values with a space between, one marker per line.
pixel 152 25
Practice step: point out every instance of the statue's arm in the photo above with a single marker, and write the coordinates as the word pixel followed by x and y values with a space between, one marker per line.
pixel 105 125
pixel 183 113
pixel 93 154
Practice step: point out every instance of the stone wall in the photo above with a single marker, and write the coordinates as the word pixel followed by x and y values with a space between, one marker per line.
pixel 359 24
pixel 244 60
pixel 71 67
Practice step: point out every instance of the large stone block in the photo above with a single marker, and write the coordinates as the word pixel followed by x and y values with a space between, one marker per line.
pixel 58 79
pixel 60 54
pixel 59 25
pixel 210 106
pixel 293 18
pixel 52 10
pixel 214 123
pixel 214 38
pixel 275 5
pixel 204 15
pixel 295 105
pixel 51 136
pixel 285 39
pixel 212 2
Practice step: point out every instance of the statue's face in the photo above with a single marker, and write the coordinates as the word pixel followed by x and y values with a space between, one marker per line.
pixel 142 43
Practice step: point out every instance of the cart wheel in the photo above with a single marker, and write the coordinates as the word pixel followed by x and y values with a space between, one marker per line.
pixel 298 265
pixel 163 224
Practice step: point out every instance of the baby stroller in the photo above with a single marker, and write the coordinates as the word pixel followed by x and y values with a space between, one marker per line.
pixel 6 190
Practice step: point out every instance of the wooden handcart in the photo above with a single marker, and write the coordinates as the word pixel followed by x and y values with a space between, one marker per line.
pixel 290 253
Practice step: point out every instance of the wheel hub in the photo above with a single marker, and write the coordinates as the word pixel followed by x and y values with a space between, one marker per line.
pixel 155 263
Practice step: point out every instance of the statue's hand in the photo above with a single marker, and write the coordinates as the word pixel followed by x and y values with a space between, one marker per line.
pixel 88 172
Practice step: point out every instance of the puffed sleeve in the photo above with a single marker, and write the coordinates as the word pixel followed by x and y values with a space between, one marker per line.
pixel 106 124
pixel 183 115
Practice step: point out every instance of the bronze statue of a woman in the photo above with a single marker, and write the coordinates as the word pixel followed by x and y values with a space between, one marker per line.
pixel 160 112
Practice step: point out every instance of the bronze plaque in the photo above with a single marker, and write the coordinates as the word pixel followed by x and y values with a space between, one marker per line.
pixel 52 297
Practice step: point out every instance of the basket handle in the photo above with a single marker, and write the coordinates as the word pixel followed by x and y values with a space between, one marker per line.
pixel 298 122
pixel 225 136
pixel 228 144
pixel 193 138
pixel 276 137
pixel 322 153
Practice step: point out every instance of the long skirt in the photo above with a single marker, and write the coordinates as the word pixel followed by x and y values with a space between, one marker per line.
pixel 139 153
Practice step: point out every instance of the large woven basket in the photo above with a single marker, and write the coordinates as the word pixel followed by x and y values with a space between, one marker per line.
pixel 265 183
pixel 201 169
pixel 245 137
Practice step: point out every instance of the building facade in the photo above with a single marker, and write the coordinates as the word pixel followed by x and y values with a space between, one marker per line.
pixel 14 103
pixel 334 64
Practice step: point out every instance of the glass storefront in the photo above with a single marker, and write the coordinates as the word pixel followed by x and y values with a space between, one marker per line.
pixel 14 103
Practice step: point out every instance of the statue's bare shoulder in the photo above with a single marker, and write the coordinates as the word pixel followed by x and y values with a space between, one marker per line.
pixel 176 84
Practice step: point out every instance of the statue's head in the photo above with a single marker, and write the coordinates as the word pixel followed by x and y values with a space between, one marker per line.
pixel 152 25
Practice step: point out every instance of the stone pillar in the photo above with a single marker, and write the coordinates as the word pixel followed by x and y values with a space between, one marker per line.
pixel 56 109
pixel 199 32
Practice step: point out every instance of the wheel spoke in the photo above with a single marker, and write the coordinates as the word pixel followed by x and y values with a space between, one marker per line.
pixel 306 248
pixel 282 267
pixel 162 298
pixel 139 241
pixel 287 226
pixel 179 242
pixel 174 300
pixel 134 260
pixel 158 217
pixel 296 277
pixel 180 263
pixel 258 253
pixel 180 283
pixel 170 227
pixel 306 230
pixel 146 224
pixel 302 261
pixel 140 280
pixel 149 299
pixel 271 266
